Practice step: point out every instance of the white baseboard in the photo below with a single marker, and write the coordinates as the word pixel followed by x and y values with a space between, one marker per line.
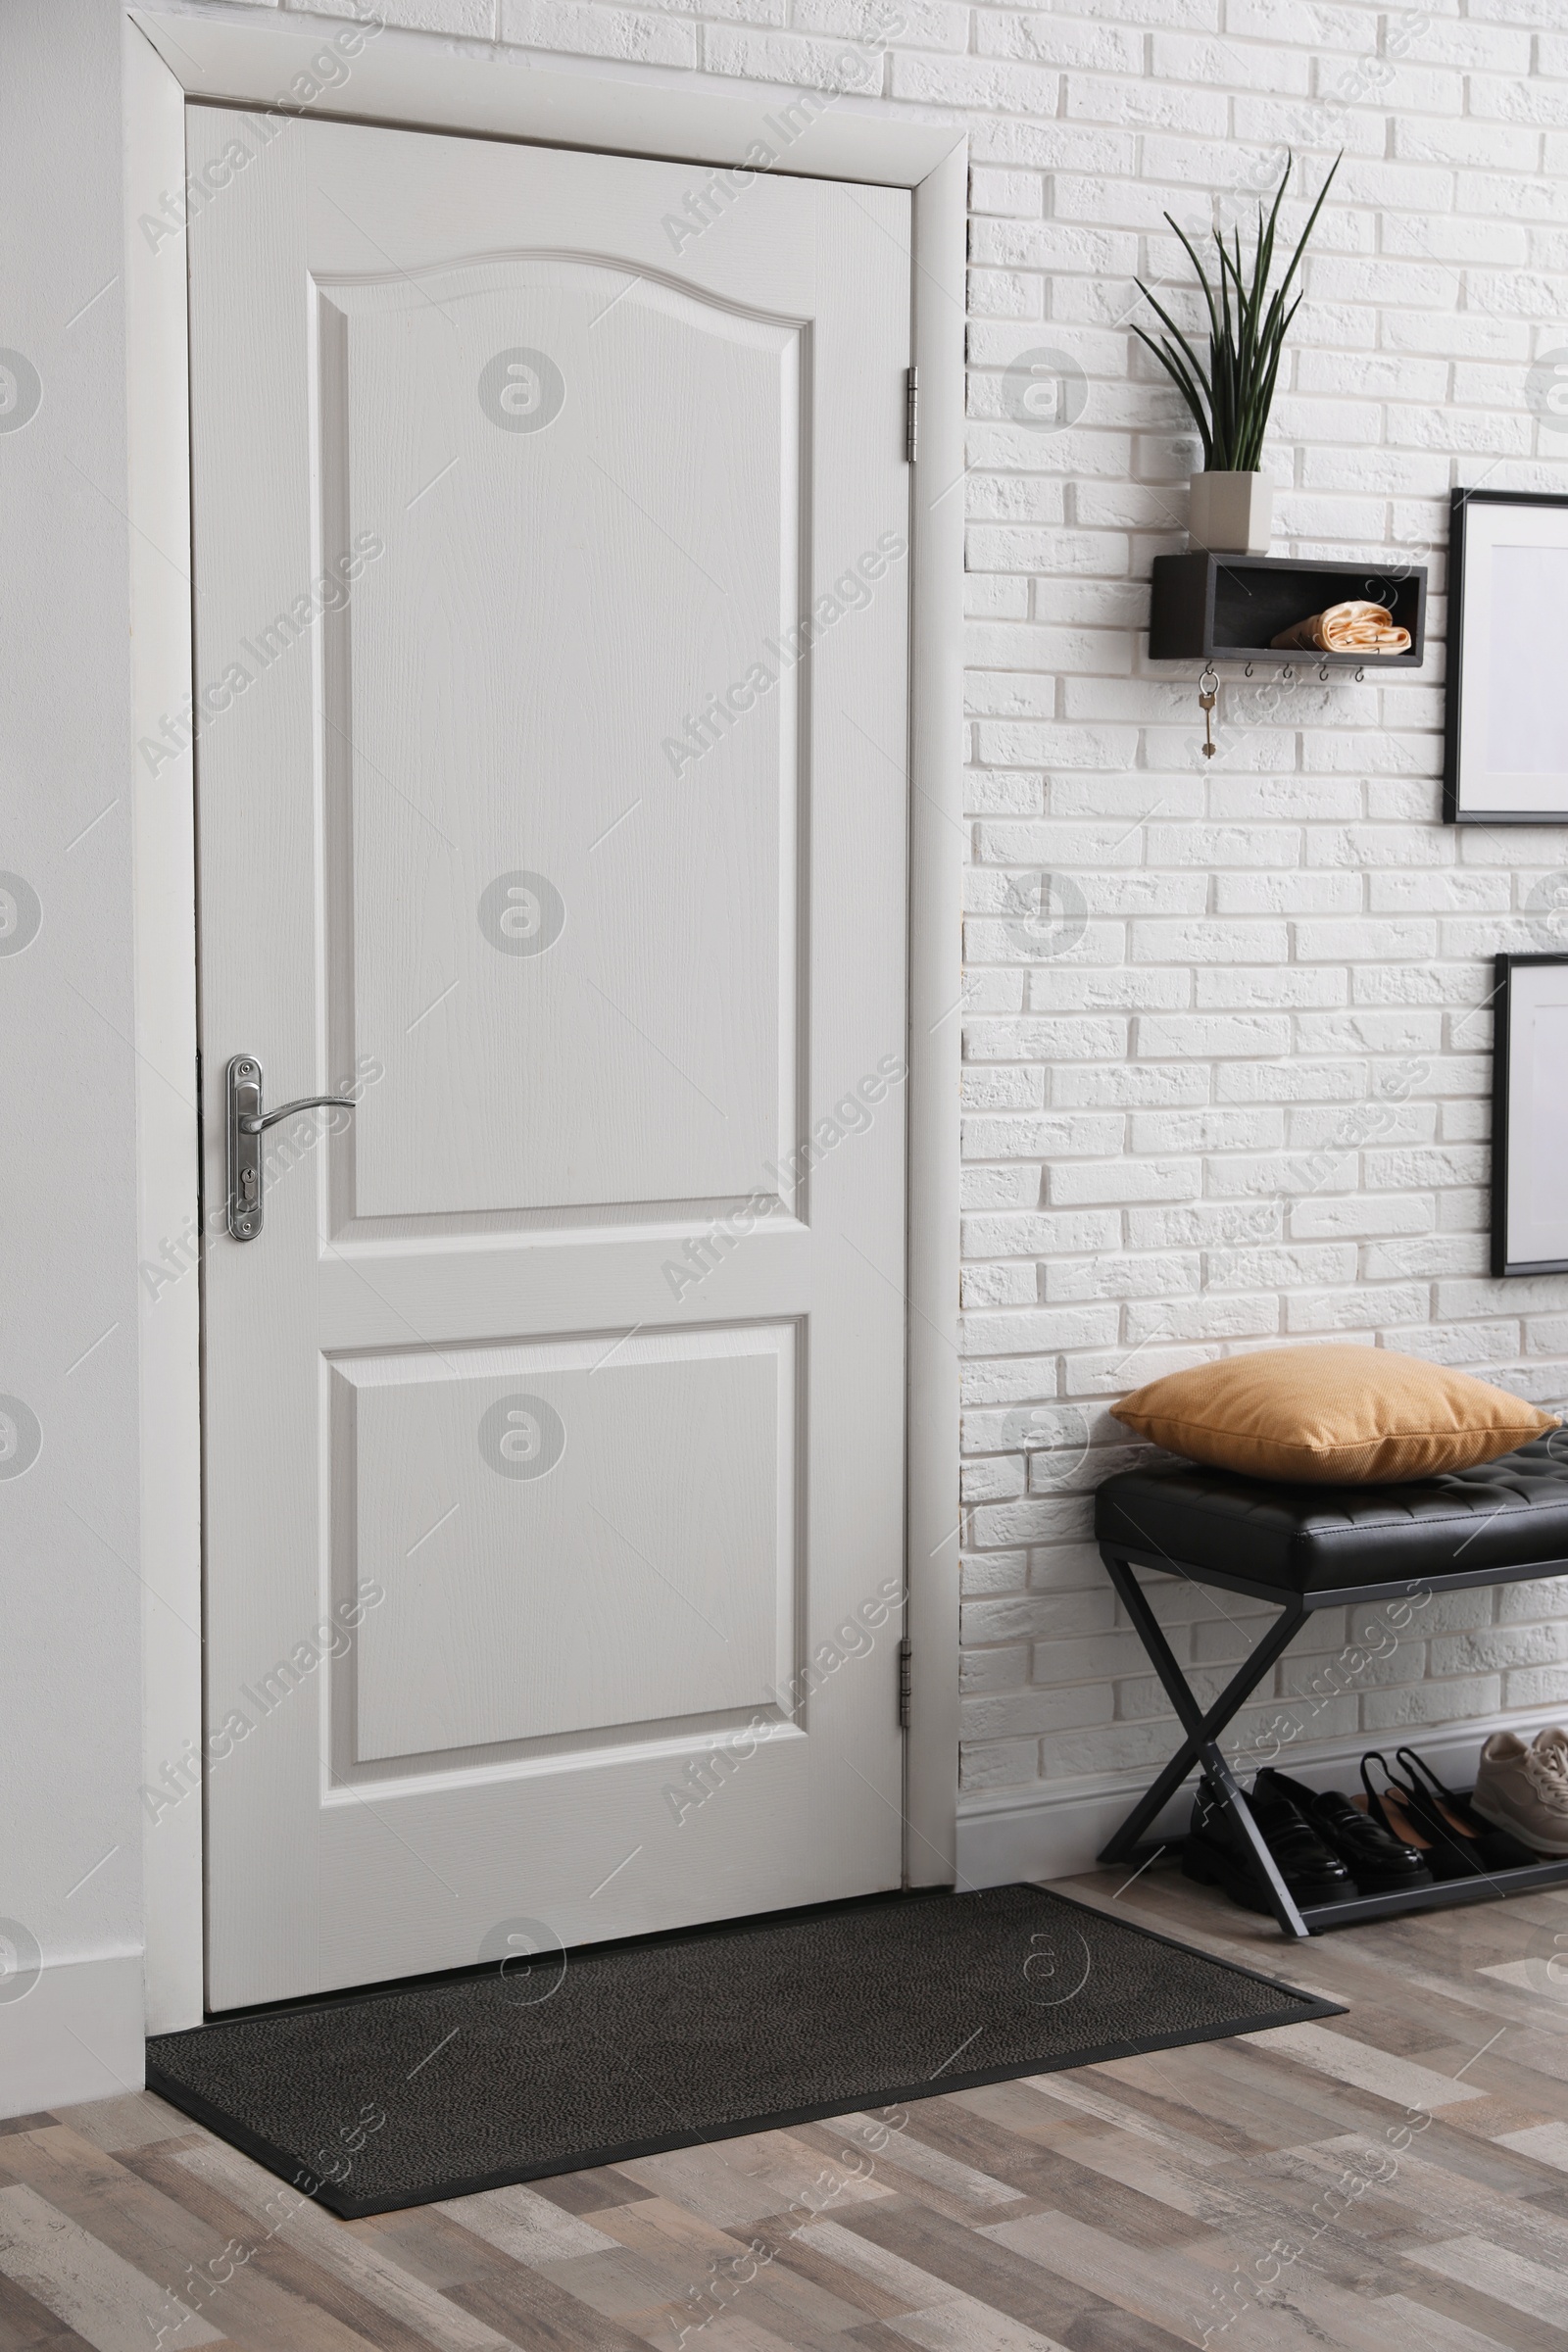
pixel 1055 1830
pixel 75 2035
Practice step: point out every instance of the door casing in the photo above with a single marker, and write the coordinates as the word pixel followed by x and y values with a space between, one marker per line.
pixel 414 80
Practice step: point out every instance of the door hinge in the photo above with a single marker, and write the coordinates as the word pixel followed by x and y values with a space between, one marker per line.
pixel 911 414
pixel 906 1671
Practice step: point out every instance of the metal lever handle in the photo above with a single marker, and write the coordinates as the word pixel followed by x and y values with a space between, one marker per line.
pixel 305 1102
pixel 248 1122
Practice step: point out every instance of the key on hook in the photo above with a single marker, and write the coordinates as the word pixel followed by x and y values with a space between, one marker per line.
pixel 1208 695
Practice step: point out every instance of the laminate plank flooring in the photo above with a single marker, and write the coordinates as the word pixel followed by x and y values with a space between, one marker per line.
pixel 1392 2180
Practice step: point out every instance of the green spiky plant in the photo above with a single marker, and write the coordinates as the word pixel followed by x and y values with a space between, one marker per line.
pixel 1231 399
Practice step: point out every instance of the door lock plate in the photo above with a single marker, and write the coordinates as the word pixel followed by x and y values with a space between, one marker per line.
pixel 244 1151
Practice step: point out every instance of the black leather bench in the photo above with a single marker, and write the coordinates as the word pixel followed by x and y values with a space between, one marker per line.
pixel 1310 1548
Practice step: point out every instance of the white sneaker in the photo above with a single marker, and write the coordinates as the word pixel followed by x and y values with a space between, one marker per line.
pixel 1525 1789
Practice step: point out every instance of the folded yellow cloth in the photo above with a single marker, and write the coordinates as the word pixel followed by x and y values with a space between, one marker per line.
pixel 1356 627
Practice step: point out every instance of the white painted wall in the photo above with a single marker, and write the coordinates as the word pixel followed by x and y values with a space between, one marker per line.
pixel 1168 1149
pixel 70 1689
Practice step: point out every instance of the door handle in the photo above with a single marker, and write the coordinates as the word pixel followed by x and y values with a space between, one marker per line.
pixel 248 1122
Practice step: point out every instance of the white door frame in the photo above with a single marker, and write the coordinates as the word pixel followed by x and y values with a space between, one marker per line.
pixel 373 74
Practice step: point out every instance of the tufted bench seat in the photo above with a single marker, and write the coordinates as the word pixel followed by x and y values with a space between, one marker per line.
pixel 1309 1547
pixel 1505 1519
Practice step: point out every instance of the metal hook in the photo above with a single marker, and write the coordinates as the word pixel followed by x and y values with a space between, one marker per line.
pixel 1248 671
pixel 1288 673
pixel 1323 674
pixel 1360 675
pixel 1208 683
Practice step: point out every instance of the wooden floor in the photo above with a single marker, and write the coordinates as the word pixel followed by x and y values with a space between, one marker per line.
pixel 1397 2178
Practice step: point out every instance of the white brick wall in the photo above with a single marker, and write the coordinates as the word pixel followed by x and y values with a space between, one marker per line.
pixel 1278 991
pixel 1230 1088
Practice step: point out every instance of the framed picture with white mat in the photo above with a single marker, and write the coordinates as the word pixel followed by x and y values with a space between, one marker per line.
pixel 1506 753
pixel 1530 1116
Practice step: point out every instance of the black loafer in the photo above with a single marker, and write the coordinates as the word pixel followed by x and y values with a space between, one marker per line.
pixel 1379 1862
pixel 1216 1854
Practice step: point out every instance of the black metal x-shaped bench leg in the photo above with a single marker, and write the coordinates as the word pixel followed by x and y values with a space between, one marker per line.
pixel 1200 1745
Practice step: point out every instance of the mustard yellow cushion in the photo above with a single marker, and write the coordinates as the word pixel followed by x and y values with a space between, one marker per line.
pixel 1346 1416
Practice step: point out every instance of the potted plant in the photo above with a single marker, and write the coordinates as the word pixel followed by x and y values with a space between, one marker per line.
pixel 1231 502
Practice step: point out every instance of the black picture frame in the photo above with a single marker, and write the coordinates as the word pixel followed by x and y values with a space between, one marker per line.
pixel 1464 655
pixel 1504 1006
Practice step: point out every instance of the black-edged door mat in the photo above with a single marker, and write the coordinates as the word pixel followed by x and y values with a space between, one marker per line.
pixel 400 2096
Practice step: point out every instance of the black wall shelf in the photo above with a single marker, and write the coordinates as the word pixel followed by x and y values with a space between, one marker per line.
pixel 1226 608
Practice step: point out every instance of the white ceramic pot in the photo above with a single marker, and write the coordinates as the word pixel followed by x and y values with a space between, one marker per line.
pixel 1232 514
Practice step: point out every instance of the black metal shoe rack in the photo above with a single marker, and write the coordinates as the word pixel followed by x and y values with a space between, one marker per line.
pixel 1201 1744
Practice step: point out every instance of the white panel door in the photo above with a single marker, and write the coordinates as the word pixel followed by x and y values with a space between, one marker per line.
pixel 551 631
